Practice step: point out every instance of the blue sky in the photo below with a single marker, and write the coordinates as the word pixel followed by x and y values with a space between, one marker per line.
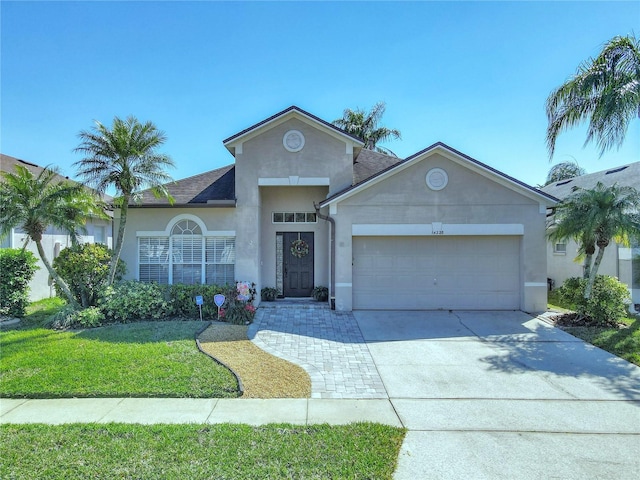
pixel 474 75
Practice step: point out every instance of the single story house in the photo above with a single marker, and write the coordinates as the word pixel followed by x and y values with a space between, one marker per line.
pixel 304 205
pixel 621 261
pixel 53 240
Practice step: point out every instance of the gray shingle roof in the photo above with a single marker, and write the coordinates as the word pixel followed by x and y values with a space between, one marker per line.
pixel 369 163
pixel 214 185
pixel 624 175
pixel 8 163
pixel 283 112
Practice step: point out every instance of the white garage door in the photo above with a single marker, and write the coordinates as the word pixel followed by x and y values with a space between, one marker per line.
pixel 408 273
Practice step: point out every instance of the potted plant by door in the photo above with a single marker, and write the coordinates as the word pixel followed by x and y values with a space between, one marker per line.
pixel 320 294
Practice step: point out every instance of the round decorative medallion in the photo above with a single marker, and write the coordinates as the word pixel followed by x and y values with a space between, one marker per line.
pixel 299 248
pixel 293 140
pixel 437 179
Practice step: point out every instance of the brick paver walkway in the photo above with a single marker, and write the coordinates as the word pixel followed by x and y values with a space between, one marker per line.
pixel 326 343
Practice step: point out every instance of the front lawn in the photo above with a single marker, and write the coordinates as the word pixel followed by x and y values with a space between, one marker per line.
pixel 356 451
pixel 145 359
pixel 623 342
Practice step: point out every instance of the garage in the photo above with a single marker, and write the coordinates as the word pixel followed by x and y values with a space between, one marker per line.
pixel 434 272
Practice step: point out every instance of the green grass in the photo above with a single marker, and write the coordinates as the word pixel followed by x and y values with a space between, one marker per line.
pixel 146 359
pixel 623 342
pixel 356 451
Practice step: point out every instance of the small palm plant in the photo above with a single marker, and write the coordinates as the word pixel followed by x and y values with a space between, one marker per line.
pixel 34 203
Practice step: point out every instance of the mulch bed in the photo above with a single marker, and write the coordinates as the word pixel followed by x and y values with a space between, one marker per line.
pixel 262 374
pixel 573 319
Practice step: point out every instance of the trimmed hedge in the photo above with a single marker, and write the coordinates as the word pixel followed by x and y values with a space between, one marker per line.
pixel 17 268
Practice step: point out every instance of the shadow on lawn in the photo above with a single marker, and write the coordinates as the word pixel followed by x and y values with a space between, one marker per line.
pixel 145 332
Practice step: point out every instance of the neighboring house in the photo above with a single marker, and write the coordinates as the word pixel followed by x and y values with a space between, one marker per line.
pixel 621 261
pixel 54 240
pixel 305 205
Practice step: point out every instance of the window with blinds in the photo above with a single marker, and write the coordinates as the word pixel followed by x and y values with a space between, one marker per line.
pixel 220 260
pixel 187 257
pixel 153 259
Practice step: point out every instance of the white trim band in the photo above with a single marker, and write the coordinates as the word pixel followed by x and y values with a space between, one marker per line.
pixel 437 229
pixel 536 284
pixel 293 181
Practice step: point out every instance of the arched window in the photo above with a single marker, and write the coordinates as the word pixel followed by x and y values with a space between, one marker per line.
pixel 187 255
pixel 186 252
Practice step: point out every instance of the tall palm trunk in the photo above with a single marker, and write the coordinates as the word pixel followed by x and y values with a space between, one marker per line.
pixel 59 281
pixel 124 209
pixel 594 270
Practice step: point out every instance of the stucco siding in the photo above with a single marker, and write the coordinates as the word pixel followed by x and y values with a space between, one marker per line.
pixel 468 199
pixel 264 156
pixel 292 199
pixel 141 220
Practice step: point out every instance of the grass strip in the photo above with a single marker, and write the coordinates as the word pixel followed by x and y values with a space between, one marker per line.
pixel 146 359
pixel 78 451
pixel 623 342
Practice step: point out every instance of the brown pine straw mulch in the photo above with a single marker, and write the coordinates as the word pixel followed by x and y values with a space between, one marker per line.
pixel 262 374
pixel 573 319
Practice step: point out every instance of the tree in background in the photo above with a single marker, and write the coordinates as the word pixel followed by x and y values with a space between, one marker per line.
pixel 124 157
pixel 604 90
pixel 564 171
pixel 34 203
pixel 594 217
pixel 365 125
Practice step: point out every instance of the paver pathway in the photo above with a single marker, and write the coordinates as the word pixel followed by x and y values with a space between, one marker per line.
pixel 326 343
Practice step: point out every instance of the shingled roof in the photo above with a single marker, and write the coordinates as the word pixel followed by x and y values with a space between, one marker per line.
pixel 208 188
pixel 624 175
pixel 369 163
pixel 8 164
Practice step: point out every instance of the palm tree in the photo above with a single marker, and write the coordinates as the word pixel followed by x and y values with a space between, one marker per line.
pixel 124 157
pixel 564 171
pixel 34 203
pixel 365 126
pixel 595 217
pixel 605 90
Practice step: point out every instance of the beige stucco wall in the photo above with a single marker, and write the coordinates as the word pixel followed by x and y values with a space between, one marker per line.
pixel 292 199
pixel 263 156
pixel 159 219
pixel 469 198
pixel 40 286
pixel 616 262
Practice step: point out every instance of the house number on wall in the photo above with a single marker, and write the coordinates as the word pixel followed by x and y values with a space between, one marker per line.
pixel 436 229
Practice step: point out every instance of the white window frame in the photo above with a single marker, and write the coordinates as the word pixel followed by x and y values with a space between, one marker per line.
pixel 559 251
pixel 204 235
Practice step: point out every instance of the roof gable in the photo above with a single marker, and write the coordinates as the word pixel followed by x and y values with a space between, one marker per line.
pixel 453 155
pixel 292 112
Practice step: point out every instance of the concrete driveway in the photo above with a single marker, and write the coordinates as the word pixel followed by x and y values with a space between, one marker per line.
pixel 504 395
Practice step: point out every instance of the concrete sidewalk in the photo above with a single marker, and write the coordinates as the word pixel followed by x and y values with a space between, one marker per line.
pixel 195 410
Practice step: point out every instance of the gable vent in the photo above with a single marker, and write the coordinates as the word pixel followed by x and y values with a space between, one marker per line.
pixel 616 170
pixel 563 183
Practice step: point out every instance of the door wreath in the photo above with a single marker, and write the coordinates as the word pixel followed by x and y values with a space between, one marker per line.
pixel 299 248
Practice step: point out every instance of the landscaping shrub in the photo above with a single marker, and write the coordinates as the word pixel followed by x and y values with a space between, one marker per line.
pixel 85 268
pixel 320 294
pixel 16 271
pixel 608 302
pixel 236 310
pixel 268 294
pixel 69 317
pixel 183 299
pixel 132 300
